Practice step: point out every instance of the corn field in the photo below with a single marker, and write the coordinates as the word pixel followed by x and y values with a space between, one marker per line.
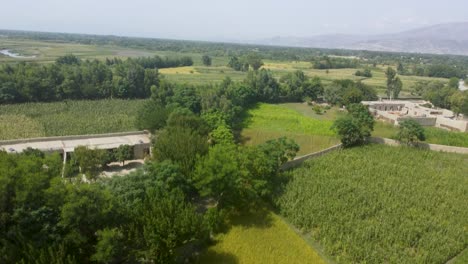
pixel 67 118
pixel 381 204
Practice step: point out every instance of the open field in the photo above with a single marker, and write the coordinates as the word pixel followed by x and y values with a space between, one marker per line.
pixel 267 121
pixel 67 118
pixel 45 52
pixel 260 237
pixel 382 204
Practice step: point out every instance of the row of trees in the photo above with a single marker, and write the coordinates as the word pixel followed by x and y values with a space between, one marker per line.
pixel 71 78
pixel 432 70
pixel 244 63
pixel 327 62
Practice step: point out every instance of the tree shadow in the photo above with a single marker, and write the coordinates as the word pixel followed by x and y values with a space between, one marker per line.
pixel 218 257
pixel 244 120
pixel 255 217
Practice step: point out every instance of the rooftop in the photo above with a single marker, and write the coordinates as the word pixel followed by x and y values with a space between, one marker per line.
pixel 68 143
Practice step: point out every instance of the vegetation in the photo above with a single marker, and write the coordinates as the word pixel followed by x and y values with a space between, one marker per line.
pixel 394 84
pixel 344 92
pixel 199 179
pixel 355 127
pixel 381 204
pixel 410 132
pixel 68 118
pixel 433 135
pixel 366 73
pixel 266 121
pixel 259 237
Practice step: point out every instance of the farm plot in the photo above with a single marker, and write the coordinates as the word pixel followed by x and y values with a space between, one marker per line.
pixel 381 204
pixel 67 118
pixel 267 121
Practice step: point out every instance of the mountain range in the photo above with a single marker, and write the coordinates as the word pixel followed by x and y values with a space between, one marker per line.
pixel 449 38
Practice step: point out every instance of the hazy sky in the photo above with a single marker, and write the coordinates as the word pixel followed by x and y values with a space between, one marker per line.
pixel 227 20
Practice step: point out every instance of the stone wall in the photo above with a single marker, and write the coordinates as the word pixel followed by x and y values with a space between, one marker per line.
pixel 453 125
pixel 299 160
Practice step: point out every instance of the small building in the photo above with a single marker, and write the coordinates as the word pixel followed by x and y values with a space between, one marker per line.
pixel 140 141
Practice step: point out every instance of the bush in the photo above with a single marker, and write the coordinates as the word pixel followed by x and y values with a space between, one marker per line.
pixel 410 132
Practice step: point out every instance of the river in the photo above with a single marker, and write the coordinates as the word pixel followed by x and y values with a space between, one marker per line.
pixel 14 55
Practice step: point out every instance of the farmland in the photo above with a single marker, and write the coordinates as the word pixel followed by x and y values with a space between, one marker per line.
pixel 382 204
pixel 266 121
pixel 67 118
pixel 47 52
pixel 260 237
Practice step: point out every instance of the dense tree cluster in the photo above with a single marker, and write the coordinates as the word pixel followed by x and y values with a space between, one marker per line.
pixel 244 63
pixel 151 215
pixel 327 62
pixel 445 96
pixel 344 92
pixel 365 73
pixel 71 78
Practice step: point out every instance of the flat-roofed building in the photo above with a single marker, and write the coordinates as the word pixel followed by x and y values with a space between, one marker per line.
pixel 140 141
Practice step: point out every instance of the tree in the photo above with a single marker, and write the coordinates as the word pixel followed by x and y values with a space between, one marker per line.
pixel 394 83
pixel 89 160
pixel 364 118
pixel 401 69
pixel 454 83
pixel 254 60
pixel 459 102
pixel 165 223
pixel 410 132
pixel 123 153
pixel 348 130
pixel 222 135
pixel 152 116
pixel 356 126
pixel 206 60
pixel 180 145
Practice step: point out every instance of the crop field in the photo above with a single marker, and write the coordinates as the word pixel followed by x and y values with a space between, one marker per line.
pixel 260 237
pixel 382 204
pixel 67 118
pixel 267 121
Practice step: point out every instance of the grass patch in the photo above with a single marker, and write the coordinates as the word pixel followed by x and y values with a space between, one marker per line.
pixel 260 237
pixel 67 118
pixel 381 204
pixel 434 135
pixel 267 121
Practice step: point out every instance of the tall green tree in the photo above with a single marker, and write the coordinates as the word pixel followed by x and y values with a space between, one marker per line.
pixel 410 132
pixel 206 60
pixel 394 84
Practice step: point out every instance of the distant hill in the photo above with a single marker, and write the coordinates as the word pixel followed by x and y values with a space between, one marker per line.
pixel 449 38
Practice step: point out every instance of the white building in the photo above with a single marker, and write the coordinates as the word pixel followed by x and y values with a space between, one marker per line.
pixel 396 111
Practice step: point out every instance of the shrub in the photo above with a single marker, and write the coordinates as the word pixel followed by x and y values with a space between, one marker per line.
pixel 410 132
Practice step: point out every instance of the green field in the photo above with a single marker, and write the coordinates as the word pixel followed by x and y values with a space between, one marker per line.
pixel 260 237
pixel 382 204
pixel 67 118
pixel 266 121
pixel 433 135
